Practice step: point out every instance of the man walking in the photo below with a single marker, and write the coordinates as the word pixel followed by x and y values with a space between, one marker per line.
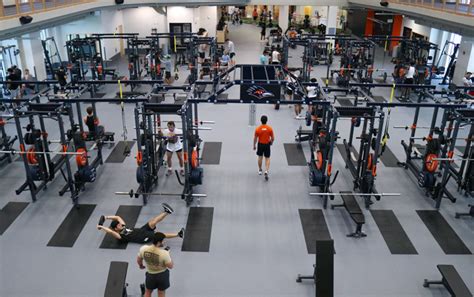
pixel 158 262
pixel 262 141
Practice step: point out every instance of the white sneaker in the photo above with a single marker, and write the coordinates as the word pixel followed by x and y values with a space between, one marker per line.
pixel 266 175
pixel 260 172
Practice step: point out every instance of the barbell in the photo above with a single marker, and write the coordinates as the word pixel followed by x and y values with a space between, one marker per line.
pixel 417 127
pixel 14 152
pixel 355 194
pixel 131 193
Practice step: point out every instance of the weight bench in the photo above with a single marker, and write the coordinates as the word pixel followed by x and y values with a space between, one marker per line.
pixel 303 135
pixel 466 214
pixel 354 210
pixel 116 285
pixel 452 281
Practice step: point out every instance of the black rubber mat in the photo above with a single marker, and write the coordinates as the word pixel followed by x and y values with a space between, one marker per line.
pixel 118 155
pixel 197 237
pixel 72 226
pixel 379 99
pixel 342 151
pixel 388 158
pixel 211 153
pixel 444 234
pixel 314 227
pixel 345 102
pixel 461 149
pixel 392 232
pixel 9 213
pixel 295 155
pixel 129 213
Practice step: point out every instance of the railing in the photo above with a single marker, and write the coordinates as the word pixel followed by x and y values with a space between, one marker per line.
pixel 16 8
pixel 461 7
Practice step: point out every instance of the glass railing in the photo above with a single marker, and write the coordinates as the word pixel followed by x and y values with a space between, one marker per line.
pixel 463 7
pixel 15 8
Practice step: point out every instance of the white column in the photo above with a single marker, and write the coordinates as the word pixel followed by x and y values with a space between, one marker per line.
pixel 37 56
pixel 283 17
pixel 464 55
pixel 332 19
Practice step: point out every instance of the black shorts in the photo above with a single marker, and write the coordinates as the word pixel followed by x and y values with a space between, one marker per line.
pixel 263 150
pixel 409 81
pixel 231 55
pixel 160 281
pixel 202 55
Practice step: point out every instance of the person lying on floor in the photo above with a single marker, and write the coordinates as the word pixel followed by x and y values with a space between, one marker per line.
pixel 118 228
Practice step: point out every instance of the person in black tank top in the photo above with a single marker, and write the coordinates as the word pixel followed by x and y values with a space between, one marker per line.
pixel 90 120
pixel 144 234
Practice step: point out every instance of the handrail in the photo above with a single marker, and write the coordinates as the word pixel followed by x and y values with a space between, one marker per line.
pixel 16 8
pixel 459 7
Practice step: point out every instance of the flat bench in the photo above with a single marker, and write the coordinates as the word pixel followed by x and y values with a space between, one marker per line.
pixel 466 214
pixel 354 210
pixel 303 135
pixel 116 285
pixel 106 136
pixel 452 281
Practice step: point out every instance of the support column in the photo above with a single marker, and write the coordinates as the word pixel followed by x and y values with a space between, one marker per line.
pixel 369 23
pixel 332 21
pixel 283 17
pixel 464 55
pixel 397 27
pixel 38 58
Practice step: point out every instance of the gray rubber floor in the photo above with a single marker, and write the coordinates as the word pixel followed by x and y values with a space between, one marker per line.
pixel 257 243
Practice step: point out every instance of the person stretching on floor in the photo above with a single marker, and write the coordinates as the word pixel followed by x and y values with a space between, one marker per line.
pixel 265 137
pixel 118 228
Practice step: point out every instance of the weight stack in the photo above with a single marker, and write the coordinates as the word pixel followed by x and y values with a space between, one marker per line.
pixel 324 268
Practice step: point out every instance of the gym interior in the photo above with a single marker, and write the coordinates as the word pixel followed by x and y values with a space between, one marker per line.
pixel 121 114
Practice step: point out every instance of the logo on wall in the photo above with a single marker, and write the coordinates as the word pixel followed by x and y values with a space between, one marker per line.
pixel 259 92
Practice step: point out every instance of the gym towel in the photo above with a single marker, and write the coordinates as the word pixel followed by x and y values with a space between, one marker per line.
pixel 392 232
pixel 118 155
pixel 129 213
pixel 446 237
pixel 211 153
pixel 294 154
pixel 72 226
pixel 197 237
pixel 9 213
pixel 314 228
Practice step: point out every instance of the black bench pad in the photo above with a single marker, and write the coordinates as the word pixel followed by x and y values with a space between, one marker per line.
pixel 453 280
pixel 116 280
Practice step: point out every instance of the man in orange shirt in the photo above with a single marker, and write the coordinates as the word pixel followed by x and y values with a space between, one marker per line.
pixel 264 136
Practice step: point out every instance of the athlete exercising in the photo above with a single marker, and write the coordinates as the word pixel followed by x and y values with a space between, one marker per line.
pixel 144 234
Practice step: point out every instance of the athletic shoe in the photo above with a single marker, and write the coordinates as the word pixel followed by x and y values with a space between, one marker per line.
pixel 181 233
pixel 168 209
pixel 169 172
pixel 266 175
pixel 101 221
pixel 260 172
pixel 181 172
